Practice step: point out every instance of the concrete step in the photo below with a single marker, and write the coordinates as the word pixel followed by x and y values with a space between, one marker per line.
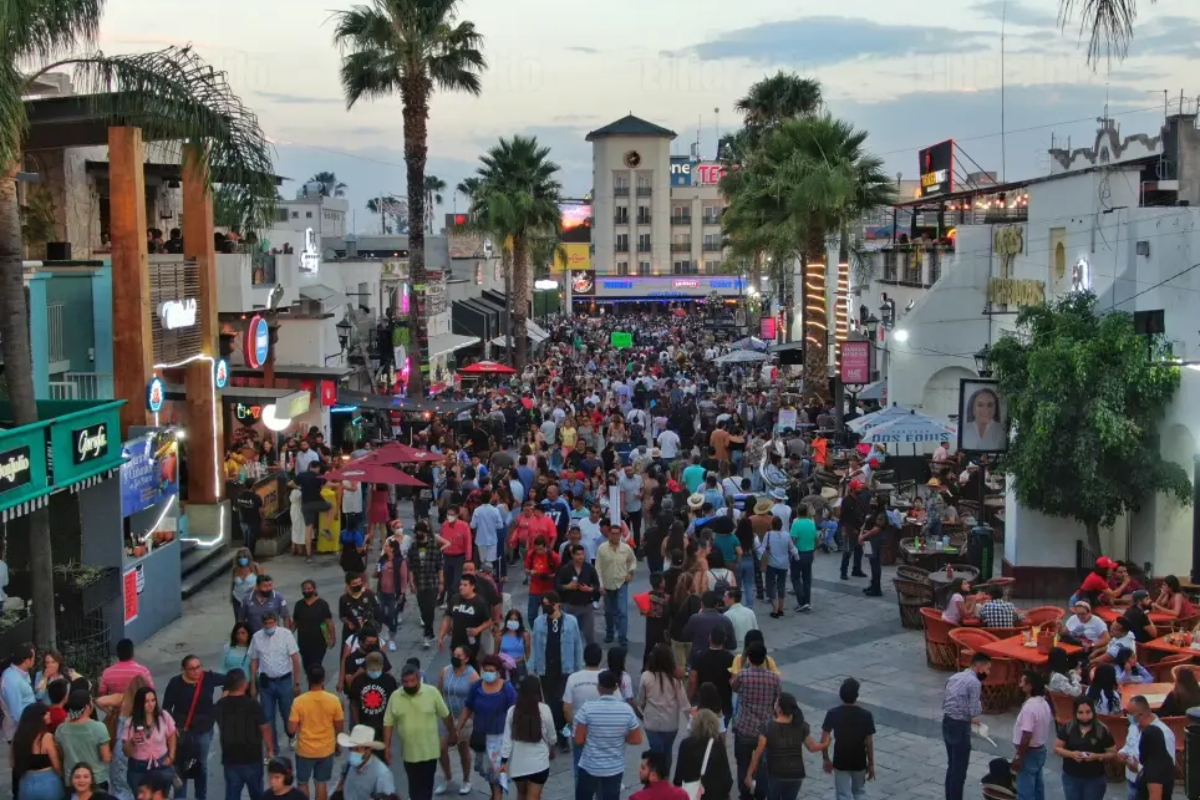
pixel 200 566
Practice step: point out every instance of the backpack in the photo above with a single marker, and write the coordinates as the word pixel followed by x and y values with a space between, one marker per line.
pixel 722 580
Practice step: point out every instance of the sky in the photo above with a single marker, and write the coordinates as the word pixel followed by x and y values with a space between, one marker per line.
pixel 559 71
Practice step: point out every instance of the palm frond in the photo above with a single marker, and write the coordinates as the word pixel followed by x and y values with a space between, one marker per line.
pixel 1107 24
pixel 38 31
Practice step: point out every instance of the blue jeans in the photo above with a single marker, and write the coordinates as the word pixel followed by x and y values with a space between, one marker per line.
pixel 533 609
pixel 139 769
pixel 588 786
pixel 41 786
pixel 576 754
pixel 203 743
pixel 802 578
pixel 616 608
pixel 783 790
pixel 1084 788
pixel 957 736
pixel 250 536
pixel 776 583
pixel 828 528
pixel 849 785
pixel 664 742
pixel 1029 780
pixel 243 776
pixel 276 695
pixel 745 579
pixel 390 605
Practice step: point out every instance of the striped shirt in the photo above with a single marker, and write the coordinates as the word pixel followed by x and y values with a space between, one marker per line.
pixel 962 699
pixel 609 719
pixel 116 679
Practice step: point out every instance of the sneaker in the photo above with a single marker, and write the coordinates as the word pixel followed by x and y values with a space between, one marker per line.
pixel 845 577
pixel 440 788
pixel 801 608
pixel 873 592
pixel 858 574
pixel 428 643
pixel 805 607
pixel 308 560
pixel 608 640
pixel 596 605
pixel 392 645
pixel 465 789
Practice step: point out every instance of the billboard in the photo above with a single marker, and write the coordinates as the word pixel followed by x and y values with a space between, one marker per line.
pixel 576 221
pixel 856 362
pixel 981 417
pixel 583 283
pixel 707 173
pixel 579 257
pixel 681 171
pixel 936 168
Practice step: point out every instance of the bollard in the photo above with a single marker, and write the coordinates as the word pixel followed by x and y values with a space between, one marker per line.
pixel 1191 755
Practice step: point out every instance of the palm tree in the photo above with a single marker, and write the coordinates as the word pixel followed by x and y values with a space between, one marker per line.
pixel 390 207
pixel 434 186
pixel 1108 25
pixel 805 181
pixel 467 187
pixel 330 185
pixel 410 48
pixel 784 95
pixel 173 96
pixel 519 198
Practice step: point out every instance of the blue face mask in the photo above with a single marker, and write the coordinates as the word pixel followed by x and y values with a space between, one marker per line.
pixel 269 631
pixel 490 675
pixel 356 759
pixel 374 674
pixel 243 562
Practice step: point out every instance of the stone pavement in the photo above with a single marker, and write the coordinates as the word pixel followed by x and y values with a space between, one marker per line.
pixel 846 634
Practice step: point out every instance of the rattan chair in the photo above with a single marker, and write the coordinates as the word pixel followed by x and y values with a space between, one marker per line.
pixel 1118 726
pixel 968 641
pixel 913 594
pixel 1064 706
pixel 940 652
pixel 1044 615
pixel 911 573
pixel 1163 670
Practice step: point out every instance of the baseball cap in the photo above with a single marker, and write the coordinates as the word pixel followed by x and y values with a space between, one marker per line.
pixel 1104 562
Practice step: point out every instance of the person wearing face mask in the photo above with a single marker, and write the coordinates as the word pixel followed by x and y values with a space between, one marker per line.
pixel 262 601
pixel 314 625
pixel 515 642
pixel 413 714
pixel 367 776
pixel 370 692
pixel 425 576
pixel 961 706
pixel 556 652
pixel 275 667
pixel 243 578
pixel 357 606
pixel 486 709
pixel 458 547
pixel 354 662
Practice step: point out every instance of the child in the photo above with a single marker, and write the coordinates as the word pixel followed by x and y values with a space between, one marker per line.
pixel 656 614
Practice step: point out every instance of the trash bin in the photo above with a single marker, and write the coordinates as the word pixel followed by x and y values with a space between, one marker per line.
pixel 981 549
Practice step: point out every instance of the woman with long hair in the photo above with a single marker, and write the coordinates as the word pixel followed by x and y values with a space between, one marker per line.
pixel 53 669
pixel 1104 691
pixel 243 577
pixel 661 699
pixel 1084 744
pixel 703 739
pixel 675 539
pixel 783 742
pixel 1185 695
pixel 516 642
pixel 83 784
pixel 529 738
pixel 149 739
pixel 118 709
pixel 1172 600
pixel 455 682
pixel 684 605
pixel 487 705
pixel 1064 675
pixel 237 651
pixel 708 696
pixel 35 760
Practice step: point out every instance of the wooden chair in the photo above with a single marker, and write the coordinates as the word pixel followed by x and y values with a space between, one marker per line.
pixel 912 596
pixel 1001 689
pixel 940 652
pixel 1044 615
pixel 1163 669
pixel 1178 726
pixel 1178 668
pixel 1064 707
pixel 1004 583
pixel 1182 624
pixel 968 641
pixel 1118 726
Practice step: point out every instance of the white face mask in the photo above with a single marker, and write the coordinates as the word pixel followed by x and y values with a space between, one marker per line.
pixel 451 517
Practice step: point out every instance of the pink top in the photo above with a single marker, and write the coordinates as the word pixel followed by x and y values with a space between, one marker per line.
pixel 1037 718
pixel 154 744
pixel 115 679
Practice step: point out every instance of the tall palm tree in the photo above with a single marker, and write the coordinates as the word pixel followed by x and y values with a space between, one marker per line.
pixel 467 187
pixel 330 185
pixel 1107 24
pixel 172 95
pixel 782 96
pixel 434 186
pixel 410 48
pixel 393 208
pixel 519 195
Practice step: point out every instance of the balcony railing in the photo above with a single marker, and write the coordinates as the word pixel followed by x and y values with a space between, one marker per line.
pixel 83 386
pixel 621 191
pixel 712 247
pixel 621 248
pixel 644 219
pixel 621 219
pixel 262 269
pixel 681 247
pixel 54 323
pixel 643 247
pixel 681 219
pixel 935 265
pixel 644 191
pixel 889 265
pixel 712 219
pixel 685 268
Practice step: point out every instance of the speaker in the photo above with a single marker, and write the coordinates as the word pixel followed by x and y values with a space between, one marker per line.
pixel 58 251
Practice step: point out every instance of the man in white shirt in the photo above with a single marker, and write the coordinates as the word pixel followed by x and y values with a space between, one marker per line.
pixel 668 443
pixel 1086 626
pixel 592 536
pixel 1142 718
pixel 1121 637
pixel 743 619
pixel 781 509
pixel 942 453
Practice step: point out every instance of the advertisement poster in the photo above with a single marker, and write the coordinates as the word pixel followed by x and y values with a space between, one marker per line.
pixel 583 284
pixel 129 583
pixel 787 419
pixel 936 165
pixel 856 362
pixel 150 473
pixel 578 257
pixel 621 340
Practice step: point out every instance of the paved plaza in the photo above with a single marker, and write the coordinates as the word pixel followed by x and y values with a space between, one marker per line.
pixel 846 634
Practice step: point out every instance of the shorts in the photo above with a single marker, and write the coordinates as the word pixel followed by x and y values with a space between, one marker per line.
pixel 317 769
pixel 538 777
pixel 311 516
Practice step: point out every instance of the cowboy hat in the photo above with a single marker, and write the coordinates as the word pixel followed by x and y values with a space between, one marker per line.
pixel 763 506
pixel 360 736
pixel 696 500
pixel 779 494
pixel 656 453
pixel 934 483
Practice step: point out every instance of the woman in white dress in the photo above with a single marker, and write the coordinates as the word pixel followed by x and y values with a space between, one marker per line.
pixel 299 529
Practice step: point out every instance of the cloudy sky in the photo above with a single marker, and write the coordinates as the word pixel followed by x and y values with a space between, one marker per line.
pixel 910 73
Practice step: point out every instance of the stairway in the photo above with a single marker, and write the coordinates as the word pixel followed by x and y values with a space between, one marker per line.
pixel 200 566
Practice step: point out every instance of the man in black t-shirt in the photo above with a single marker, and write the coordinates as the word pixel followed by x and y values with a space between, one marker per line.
pixel 244 731
pixel 249 506
pixel 853 730
pixel 1137 617
pixel 467 616
pixel 369 693
pixel 357 606
pixel 712 666
pixel 355 661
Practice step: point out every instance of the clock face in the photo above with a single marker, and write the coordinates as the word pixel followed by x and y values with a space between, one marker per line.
pixel 633 159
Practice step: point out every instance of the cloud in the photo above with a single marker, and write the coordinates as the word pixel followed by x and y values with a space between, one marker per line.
pixel 1167 36
pixel 574 118
pixel 822 41
pixel 1015 13
pixel 1044 37
pixel 284 98
pixel 590 51
pixel 1131 74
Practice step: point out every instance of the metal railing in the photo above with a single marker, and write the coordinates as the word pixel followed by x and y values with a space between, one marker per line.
pixel 712 219
pixel 712 247
pixel 621 248
pixel 889 265
pixel 54 329
pixel 644 191
pixel 621 191
pixel 681 219
pixel 643 248
pixel 621 219
pixel 83 386
pixel 912 267
pixel 935 266
pixel 644 219
pixel 681 247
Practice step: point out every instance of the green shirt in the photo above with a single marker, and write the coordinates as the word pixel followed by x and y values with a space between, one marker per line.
pixel 80 743
pixel 693 478
pixel 804 534
pixel 415 718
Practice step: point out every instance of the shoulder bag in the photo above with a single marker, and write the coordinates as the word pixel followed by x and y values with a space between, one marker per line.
pixel 187 754
pixel 695 789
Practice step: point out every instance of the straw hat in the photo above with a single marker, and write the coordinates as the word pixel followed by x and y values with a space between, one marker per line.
pixel 763 506
pixel 360 736
pixel 696 500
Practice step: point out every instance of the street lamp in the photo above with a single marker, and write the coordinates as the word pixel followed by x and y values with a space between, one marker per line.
pixel 982 361
pixel 343 332
pixel 871 326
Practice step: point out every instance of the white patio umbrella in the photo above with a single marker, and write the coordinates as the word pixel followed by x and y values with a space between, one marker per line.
pixel 913 429
pixel 881 416
pixel 742 357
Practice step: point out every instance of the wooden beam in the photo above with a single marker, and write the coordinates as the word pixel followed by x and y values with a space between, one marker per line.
pixel 206 440
pixel 133 348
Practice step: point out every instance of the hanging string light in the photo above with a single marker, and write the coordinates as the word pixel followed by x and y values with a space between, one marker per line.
pixel 814 307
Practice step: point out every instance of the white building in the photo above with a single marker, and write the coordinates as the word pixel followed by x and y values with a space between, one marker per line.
pixel 1120 218
pixel 325 215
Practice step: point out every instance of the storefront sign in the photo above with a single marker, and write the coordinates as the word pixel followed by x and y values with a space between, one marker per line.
pixel 578 257
pixel 247 415
pixel 766 329
pixel 670 286
pixel 681 171
pixel 149 474
pixel 937 169
pixel 1008 240
pixel 221 373
pixel 310 256
pixel 129 586
pixel 1009 291
pixel 256 346
pixel 15 468
pixel 435 293
pixel 686 284
pixel 583 284
pixel 91 443
pixel 175 314
pixel 621 340
pixel 708 174
pixel 856 362
pixel 156 393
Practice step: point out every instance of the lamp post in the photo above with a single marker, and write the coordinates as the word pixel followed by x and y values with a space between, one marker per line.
pixel 983 360
pixel 343 332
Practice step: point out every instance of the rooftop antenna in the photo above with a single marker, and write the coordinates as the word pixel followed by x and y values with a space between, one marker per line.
pixel 717 127
pixel 1003 143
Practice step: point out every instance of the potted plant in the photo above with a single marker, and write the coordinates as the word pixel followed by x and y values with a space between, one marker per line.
pixel 80 588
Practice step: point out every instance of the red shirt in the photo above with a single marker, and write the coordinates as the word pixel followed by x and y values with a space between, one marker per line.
pixel 58 716
pixel 523 532
pixel 458 534
pixel 542 567
pixel 1094 583
pixel 544 527
pixel 660 790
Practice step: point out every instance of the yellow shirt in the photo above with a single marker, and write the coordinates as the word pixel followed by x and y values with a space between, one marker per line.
pixel 415 718
pixel 740 658
pixel 233 468
pixel 613 565
pixel 315 714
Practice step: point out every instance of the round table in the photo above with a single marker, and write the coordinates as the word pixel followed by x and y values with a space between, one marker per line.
pixel 942 584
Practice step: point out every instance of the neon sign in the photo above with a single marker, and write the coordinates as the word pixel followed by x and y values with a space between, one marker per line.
pixel 177 314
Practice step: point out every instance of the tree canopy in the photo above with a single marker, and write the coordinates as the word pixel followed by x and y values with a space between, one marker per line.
pixel 1085 394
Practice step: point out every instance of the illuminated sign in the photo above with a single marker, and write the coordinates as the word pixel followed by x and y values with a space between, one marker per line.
pixel 937 169
pixel 686 284
pixel 90 443
pixel 767 329
pixel 15 468
pixel 310 256
pixel 257 342
pixel 856 362
pixel 681 171
pixel 708 174
pixel 617 284
pixel 155 395
pixel 177 314
pixel 247 415
pixel 221 373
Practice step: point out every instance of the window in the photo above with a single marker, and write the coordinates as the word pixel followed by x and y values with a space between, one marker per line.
pixel 712 215
pixel 643 215
pixel 643 184
pixel 620 185
pixel 281 215
pixel 712 242
pixel 643 243
pixel 682 268
pixel 295 215
pixel 643 267
pixel 622 243
pixel 681 243
pixel 622 267
pixel 681 214
pixel 622 215
pixel 712 267
pixel 308 214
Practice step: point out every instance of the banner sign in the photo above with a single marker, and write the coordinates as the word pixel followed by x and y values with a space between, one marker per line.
pixel 90 443
pixel 622 341
pixel 149 474
pixel 15 468
pixel 937 169
pixel 129 588
pixel 856 362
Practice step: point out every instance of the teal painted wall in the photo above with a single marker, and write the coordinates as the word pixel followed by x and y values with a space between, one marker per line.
pixel 75 292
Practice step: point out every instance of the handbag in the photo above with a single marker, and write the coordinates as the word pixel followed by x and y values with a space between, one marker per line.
pixel 187 754
pixel 695 789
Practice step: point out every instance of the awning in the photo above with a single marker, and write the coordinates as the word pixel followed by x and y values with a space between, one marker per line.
pixel 289 402
pixel 325 295
pixel 387 402
pixel 449 342
pixel 536 332
pixel 876 391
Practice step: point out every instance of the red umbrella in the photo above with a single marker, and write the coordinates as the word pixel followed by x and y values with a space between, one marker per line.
pixel 373 473
pixel 399 453
pixel 487 368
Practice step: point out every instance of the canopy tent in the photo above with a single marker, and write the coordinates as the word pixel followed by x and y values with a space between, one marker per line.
pixel 913 429
pixel 751 343
pixel 487 368
pixel 742 357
